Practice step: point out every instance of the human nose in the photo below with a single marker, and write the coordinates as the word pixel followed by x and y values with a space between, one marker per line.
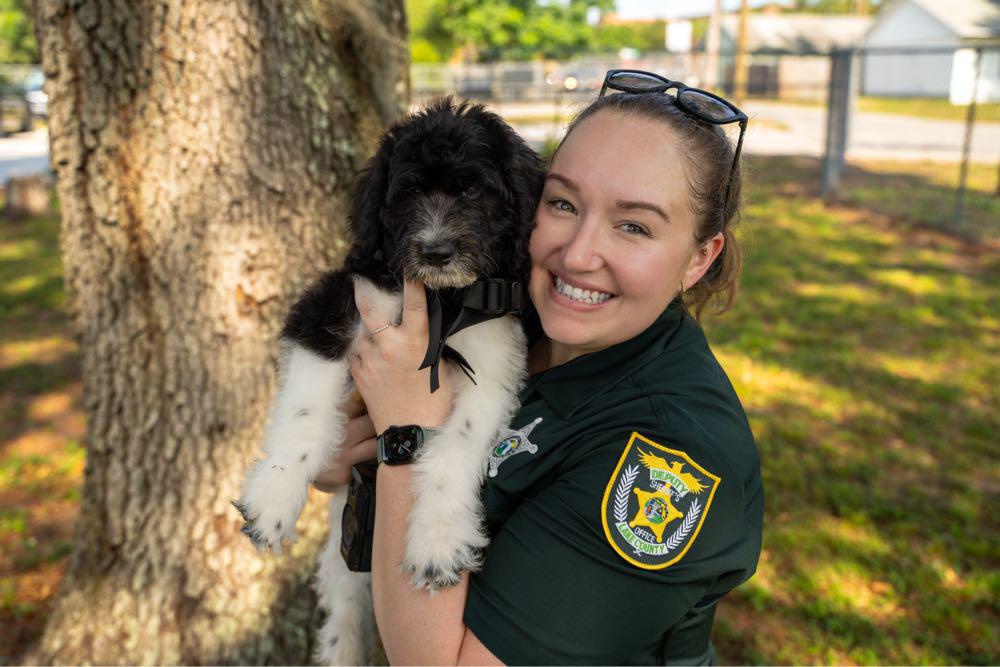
pixel 582 251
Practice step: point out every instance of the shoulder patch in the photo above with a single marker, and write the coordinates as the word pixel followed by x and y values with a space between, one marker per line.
pixel 655 503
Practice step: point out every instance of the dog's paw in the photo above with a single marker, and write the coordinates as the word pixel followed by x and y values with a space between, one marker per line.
pixel 341 650
pixel 267 529
pixel 435 571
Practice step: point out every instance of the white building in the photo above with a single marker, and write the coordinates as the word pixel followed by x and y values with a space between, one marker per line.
pixel 893 66
pixel 790 51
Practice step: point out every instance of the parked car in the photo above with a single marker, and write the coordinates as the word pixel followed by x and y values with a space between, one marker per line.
pixel 38 100
pixel 15 113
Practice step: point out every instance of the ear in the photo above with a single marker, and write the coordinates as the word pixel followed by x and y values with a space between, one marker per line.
pixel 524 178
pixel 701 261
pixel 368 204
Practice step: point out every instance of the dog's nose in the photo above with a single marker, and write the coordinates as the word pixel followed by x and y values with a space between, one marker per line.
pixel 438 253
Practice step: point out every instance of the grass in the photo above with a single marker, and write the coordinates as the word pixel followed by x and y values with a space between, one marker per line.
pixel 925 192
pixel 934 108
pixel 928 108
pixel 41 426
pixel 864 345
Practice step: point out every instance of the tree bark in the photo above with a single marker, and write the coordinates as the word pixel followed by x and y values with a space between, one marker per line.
pixel 204 154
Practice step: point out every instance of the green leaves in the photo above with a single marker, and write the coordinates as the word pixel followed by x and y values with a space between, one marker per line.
pixel 489 30
pixel 17 37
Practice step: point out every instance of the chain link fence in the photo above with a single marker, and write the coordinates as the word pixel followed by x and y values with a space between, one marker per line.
pixel 894 129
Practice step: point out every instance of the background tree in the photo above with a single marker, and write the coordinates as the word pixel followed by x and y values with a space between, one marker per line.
pixel 17 40
pixel 204 153
pixel 490 30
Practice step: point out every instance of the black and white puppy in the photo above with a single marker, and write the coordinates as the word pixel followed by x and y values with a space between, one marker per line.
pixel 448 199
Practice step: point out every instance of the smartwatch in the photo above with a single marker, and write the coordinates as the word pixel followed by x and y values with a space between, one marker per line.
pixel 399 444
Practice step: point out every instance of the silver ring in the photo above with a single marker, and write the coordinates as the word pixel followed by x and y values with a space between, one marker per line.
pixel 381 328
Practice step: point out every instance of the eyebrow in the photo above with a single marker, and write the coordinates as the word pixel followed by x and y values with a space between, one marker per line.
pixel 644 205
pixel 565 181
pixel 622 204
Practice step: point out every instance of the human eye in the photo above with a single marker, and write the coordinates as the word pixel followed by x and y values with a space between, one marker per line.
pixel 634 229
pixel 560 204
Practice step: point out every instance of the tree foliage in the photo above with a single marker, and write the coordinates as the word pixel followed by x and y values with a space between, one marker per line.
pixel 17 36
pixel 489 30
pixel 835 6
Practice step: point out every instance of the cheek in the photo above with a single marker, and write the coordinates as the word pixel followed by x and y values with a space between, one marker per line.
pixel 540 245
pixel 649 275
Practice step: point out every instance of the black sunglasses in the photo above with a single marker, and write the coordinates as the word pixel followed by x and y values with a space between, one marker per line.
pixel 701 104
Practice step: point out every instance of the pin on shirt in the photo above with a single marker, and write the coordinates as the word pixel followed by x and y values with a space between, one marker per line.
pixel 511 443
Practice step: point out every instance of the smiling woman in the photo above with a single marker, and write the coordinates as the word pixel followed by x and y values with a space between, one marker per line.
pixel 625 499
pixel 608 228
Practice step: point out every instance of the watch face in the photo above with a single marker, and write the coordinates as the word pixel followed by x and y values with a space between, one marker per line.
pixel 401 443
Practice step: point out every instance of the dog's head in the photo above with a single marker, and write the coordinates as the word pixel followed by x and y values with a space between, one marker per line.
pixel 448 198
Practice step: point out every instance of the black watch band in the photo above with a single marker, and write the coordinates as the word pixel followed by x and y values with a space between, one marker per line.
pixel 398 445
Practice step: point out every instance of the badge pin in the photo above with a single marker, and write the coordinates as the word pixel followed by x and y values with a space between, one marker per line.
pixel 511 443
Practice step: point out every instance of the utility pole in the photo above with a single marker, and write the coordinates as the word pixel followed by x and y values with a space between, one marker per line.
pixel 740 67
pixel 712 45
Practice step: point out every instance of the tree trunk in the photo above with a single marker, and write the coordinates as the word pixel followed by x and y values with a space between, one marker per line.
pixel 204 154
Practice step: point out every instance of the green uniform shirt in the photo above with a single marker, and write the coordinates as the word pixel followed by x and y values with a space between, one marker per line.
pixel 627 502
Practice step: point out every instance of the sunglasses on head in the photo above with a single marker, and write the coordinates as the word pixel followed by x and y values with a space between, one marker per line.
pixel 701 104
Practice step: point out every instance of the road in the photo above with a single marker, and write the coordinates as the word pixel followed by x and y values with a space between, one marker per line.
pixel 775 129
pixel 24 154
pixel 786 129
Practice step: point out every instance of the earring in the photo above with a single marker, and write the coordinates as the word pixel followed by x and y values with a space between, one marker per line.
pixel 682 287
pixel 704 251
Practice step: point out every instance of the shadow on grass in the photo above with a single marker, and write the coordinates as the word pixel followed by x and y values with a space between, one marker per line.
pixel 913 193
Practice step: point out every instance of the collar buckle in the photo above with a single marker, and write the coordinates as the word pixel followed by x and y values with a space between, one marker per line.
pixel 495 296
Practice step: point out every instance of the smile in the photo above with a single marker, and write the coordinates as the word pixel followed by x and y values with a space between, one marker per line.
pixel 579 295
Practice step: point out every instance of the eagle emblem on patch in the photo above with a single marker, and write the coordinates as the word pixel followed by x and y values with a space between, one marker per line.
pixel 655 503
pixel 510 443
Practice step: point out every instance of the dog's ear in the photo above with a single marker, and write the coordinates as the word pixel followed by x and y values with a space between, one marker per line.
pixel 368 204
pixel 524 178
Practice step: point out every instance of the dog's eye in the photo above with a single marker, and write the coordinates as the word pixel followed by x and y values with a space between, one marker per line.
pixel 470 191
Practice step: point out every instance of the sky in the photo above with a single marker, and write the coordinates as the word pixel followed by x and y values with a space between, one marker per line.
pixel 670 9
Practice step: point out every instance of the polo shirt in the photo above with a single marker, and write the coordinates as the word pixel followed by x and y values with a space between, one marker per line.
pixel 622 503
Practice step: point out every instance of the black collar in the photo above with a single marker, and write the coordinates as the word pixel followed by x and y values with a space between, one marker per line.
pixel 451 310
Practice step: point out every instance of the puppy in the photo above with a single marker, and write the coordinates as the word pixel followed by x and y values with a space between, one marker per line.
pixel 448 199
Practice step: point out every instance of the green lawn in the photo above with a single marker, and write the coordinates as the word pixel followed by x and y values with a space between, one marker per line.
pixel 940 109
pixel 41 428
pixel 928 108
pixel 865 346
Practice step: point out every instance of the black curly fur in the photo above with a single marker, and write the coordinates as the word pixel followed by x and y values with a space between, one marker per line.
pixel 462 152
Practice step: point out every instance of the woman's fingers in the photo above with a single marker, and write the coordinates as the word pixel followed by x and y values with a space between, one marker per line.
pixel 358 429
pixel 339 473
pixel 414 308
pixel 353 405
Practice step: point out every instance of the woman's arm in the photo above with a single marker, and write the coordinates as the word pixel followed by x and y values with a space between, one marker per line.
pixel 416 626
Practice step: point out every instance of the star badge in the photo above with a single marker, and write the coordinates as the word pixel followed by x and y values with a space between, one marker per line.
pixel 655 511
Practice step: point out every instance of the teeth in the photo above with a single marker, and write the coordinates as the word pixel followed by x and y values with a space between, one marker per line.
pixel 581 295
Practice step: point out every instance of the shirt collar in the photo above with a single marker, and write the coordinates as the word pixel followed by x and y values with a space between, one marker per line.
pixel 571 386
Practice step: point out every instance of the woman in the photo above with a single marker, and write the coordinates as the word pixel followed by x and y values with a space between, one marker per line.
pixel 627 497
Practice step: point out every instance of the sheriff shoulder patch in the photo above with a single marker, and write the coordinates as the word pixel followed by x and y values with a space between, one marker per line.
pixel 655 503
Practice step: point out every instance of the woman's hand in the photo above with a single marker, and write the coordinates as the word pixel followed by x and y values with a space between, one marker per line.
pixel 385 368
pixel 359 445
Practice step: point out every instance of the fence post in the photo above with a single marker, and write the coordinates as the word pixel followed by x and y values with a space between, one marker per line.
pixel 970 119
pixel 840 102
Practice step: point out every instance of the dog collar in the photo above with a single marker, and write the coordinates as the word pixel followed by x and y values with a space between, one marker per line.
pixel 451 310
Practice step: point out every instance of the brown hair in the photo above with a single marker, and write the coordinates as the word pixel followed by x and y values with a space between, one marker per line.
pixel 709 154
